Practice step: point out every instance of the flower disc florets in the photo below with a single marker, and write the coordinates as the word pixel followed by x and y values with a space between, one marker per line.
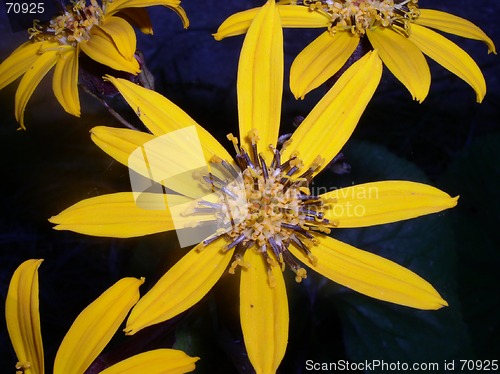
pixel 269 209
pixel 359 15
pixel 72 27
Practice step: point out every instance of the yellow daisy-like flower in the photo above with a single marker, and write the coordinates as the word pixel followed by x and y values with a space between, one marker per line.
pixel 90 332
pixel 285 222
pixel 99 31
pixel 398 29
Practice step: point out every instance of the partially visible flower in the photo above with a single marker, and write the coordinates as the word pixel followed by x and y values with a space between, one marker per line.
pixel 286 223
pixel 88 335
pixel 99 31
pixel 398 29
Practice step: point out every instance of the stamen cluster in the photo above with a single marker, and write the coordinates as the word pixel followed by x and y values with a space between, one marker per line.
pixel 269 209
pixel 22 367
pixel 72 27
pixel 357 16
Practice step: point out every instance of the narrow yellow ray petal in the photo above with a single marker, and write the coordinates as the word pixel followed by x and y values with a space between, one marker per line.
pixel 95 326
pixel 113 7
pixel 23 317
pixel 180 12
pixel 320 60
pixel 291 16
pixel 116 215
pixel 181 287
pixel 454 25
pixel 260 78
pixel 158 361
pixel 162 116
pixel 384 202
pixel 65 81
pixel 450 56
pixel 263 313
pixel 19 61
pixel 331 122
pixel 371 275
pixel 122 34
pixel 302 17
pixel 31 79
pixel 403 59
pixel 138 17
pixel 236 24
pixel 102 49
pixel 121 143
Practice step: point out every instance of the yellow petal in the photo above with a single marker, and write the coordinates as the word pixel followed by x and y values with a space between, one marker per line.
pixel 302 17
pixel 23 317
pixel 115 215
pixel 320 60
pixel 291 16
pixel 384 202
pixel 122 34
pixel 102 49
pixel 19 61
pixel 31 79
pixel 65 81
pixel 162 116
pixel 138 17
pixel 181 13
pixel 236 24
pixel 260 78
pixel 158 361
pixel 115 6
pixel 371 275
pixel 450 56
pixel 331 122
pixel 404 60
pixel 95 326
pixel 263 313
pixel 181 287
pixel 454 25
pixel 119 143
pixel 157 162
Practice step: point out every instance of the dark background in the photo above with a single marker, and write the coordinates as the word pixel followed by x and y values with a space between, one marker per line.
pixel 449 141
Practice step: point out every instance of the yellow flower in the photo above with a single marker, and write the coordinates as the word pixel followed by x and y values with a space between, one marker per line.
pixel 285 222
pixel 398 29
pixel 95 326
pixel 94 29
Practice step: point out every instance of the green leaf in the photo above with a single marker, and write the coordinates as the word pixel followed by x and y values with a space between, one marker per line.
pixel 475 174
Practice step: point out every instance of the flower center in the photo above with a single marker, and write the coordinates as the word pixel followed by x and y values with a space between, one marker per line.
pixel 72 27
pixel 357 16
pixel 268 209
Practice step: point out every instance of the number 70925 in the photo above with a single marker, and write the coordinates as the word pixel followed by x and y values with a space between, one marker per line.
pixel 25 8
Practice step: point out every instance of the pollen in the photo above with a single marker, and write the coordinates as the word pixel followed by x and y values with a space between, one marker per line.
pixel 356 16
pixel 71 27
pixel 22 367
pixel 265 206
